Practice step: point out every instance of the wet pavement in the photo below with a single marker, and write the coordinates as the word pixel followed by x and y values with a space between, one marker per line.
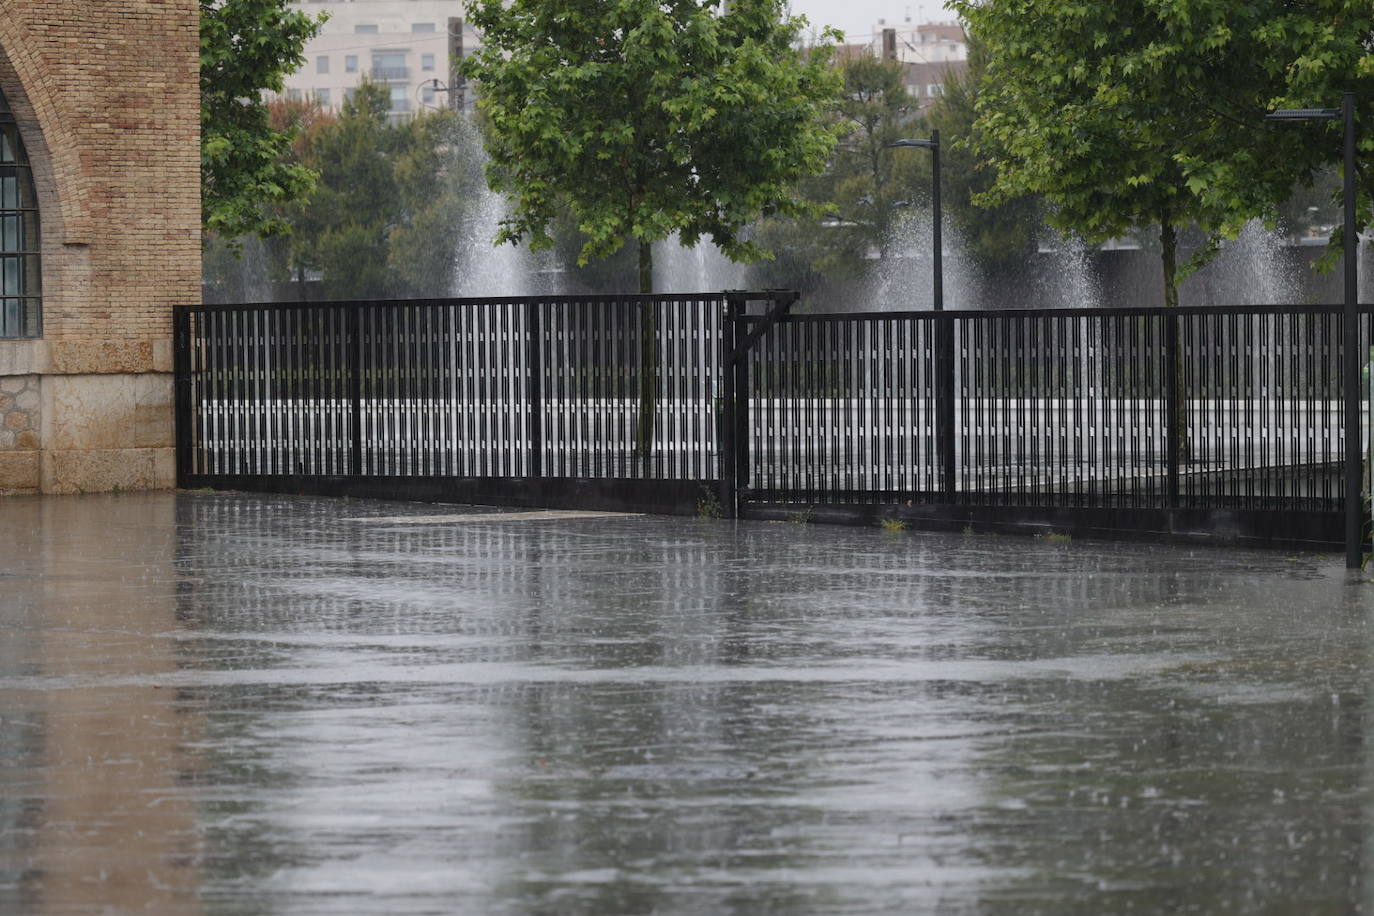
pixel 239 704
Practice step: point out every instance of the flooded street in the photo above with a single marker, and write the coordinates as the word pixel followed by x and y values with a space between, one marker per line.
pixel 241 704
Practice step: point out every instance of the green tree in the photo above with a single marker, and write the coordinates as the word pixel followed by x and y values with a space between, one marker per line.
pixel 1002 237
pixel 438 172
pixel 646 117
pixel 876 110
pixel 1130 114
pixel 1316 51
pixel 247 47
pixel 859 192
pixel 344 228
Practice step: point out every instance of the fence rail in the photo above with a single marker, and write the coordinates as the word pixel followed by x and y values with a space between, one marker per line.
pixel 1192 408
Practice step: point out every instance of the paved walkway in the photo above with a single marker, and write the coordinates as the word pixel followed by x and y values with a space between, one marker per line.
pixel 241 704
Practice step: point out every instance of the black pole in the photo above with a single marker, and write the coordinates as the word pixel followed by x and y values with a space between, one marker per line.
pixel 354 347
pixel 1172 439
pixel 1354 504
pixel 181 379
pixel 729 406
pixel 938 289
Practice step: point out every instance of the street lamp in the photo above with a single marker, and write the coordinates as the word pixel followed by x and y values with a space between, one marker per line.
pixel 1354 505
pixel 933 144
pixel 944 331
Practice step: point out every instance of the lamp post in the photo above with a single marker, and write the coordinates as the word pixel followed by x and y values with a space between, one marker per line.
pixel 933 144
pixel 1350 368
pixel 944 329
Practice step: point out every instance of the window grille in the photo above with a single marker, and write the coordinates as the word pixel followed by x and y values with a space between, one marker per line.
pixel 20 290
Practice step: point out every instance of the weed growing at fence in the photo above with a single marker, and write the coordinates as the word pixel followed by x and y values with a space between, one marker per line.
pixel 802 517
pixel 708 506
pixel 892 525
pixel 1057 538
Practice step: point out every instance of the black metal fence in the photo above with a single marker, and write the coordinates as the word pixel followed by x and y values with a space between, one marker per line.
pixel 1235 408
pixel 547 387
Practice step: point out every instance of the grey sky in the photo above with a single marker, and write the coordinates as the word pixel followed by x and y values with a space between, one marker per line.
pixel 857 18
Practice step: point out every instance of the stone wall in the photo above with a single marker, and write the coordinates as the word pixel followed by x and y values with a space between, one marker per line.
pixel 107 100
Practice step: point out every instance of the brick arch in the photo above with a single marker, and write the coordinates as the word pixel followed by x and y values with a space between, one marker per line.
pixel 41 111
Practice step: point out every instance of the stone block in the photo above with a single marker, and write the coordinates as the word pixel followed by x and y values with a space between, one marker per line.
pixel 153 411
pixel 89 412
pixel 103 470
pixel 87 357
pixel 162 356
pixel 19 357
pixel 19 471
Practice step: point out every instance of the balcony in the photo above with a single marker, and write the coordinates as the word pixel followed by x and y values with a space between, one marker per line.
pixel 391 73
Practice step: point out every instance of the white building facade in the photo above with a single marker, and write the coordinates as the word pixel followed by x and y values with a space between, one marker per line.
pixel 408 46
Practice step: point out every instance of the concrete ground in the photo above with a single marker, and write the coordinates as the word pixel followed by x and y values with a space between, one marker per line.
pixel 241 704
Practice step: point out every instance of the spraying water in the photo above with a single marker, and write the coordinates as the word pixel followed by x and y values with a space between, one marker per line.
pixel 1254 269
pixel 1063 276
pixel 482 267
pixel 905 279
pixel 703 269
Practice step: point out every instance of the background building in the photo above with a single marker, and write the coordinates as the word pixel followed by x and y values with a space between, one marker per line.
pixel 929 54
pixel 99 237
pixel 404 44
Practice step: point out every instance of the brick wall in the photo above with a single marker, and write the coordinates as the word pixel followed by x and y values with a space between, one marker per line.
pixel 107 96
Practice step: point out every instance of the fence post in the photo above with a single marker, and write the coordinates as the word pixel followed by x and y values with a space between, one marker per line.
pixel 355 388
pixel 727 428
pixel 181 380
pixel 944 403
pixel 1172 433
pixel 534 390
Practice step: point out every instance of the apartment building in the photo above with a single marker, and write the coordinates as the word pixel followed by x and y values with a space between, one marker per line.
pixel 406 45
pixel 928 53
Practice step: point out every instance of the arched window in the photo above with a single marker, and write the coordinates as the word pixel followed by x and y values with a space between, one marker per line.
pixel 20 289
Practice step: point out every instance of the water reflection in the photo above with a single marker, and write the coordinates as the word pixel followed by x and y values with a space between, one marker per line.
pixel 296 711
pixel 95 815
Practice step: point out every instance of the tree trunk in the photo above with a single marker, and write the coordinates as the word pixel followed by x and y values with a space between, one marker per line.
pixel 648 364
pixel 1168 242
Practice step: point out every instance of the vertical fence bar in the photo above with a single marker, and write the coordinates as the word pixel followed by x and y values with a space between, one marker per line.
pixel 1172 413
pixel 355 389
pixel 945 405
pixel 181 376
pixel 534 391
pixel 729 408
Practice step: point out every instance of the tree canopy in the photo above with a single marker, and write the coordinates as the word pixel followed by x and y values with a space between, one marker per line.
pixel 645 117
pixel 247 47
pixel 1106 110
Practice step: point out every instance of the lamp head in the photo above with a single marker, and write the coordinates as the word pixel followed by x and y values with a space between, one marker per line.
pixel 1304 114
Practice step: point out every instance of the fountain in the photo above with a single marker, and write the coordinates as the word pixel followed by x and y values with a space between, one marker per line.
pixel 702 269
pixel 903 281
pixel 1062 276
pixel 1257 268
pixel 242 278
pixel 483 268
